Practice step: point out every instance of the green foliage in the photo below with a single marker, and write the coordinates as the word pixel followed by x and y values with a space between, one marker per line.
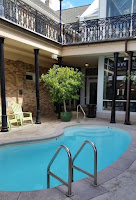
pixel 131 76
pixel 63 83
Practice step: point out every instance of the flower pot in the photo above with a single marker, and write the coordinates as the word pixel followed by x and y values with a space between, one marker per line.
pixel 66 116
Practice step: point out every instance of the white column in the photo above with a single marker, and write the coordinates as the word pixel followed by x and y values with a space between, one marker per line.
pixel 102 8
pixel 100 83
pixel 82 92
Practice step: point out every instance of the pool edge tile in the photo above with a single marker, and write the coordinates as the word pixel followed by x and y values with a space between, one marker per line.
pixel 47 194
pixel 4 195
pixel 86 191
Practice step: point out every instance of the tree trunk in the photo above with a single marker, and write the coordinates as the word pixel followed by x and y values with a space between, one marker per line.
pixel 65 110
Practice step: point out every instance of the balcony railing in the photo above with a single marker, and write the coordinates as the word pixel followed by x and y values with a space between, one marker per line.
pixel 24 15
pixel 111 28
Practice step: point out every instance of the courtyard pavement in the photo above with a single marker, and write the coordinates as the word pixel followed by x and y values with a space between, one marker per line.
pixel 116 182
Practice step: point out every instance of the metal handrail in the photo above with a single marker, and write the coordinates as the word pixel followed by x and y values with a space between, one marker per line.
pixel 95 161
pixel 82 112
pixel 70 178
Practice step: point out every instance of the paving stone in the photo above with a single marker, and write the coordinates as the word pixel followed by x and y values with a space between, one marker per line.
pixel 83 190
pixel 9 195
pixel 122 164
pixel 106 174
pixel 122 187
pixel 130 154
pixel 50 194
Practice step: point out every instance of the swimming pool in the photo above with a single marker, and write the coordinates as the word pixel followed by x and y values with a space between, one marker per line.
pixel 23 167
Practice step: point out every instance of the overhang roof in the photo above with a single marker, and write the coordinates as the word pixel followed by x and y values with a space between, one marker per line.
pixel 92 10
pixel 71 15
pixel 46 8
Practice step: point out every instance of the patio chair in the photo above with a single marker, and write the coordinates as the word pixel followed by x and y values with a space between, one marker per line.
pixel 21 116
pixel 11 119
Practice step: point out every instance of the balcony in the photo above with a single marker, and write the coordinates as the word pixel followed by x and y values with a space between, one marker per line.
pixel 90 31
pixel 24 15
pixel 106 29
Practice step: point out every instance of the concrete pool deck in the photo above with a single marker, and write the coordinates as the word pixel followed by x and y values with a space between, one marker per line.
pixel 116 182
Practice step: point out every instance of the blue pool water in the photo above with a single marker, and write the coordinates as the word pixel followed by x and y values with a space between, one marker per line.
pixel 23 167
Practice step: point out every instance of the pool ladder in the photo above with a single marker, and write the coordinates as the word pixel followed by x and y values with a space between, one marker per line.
pixel 79 106
pixel 71 167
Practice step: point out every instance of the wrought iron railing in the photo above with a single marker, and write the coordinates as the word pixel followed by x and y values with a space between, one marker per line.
pixel 22 14
pixel 111 28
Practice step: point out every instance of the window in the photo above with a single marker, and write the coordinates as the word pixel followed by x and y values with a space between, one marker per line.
pixel 121 85
pixel 30 77
pixel 122 7
pixel 134 6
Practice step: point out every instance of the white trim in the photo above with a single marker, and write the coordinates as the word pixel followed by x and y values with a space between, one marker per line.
pixel 82 91
pixel 100 83
pixel 91 10
pixel 131 101
pixel 102 8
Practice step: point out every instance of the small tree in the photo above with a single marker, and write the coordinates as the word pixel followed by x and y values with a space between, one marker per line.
pixel 63 83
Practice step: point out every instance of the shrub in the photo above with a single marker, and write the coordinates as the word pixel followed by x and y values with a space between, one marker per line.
pixel 63 83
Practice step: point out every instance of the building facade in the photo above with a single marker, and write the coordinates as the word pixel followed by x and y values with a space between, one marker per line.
pixel 95 38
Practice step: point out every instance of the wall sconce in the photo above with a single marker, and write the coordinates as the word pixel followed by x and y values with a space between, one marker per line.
pixel 54 56
pixel 126 54
pixel 86 65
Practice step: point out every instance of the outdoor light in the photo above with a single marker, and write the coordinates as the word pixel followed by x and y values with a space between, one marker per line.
pixel 86 65
pixel 126 54
pixel 54 56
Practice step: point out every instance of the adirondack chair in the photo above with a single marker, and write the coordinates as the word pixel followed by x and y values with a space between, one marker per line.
pixel 11 119
pixel 21 116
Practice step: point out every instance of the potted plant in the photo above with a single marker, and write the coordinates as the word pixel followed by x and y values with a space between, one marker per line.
pixel 64 84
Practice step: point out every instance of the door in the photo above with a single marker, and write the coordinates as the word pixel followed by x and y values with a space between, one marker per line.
pixel 91 91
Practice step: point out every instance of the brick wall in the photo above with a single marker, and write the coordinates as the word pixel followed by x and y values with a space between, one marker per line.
pixel 15 75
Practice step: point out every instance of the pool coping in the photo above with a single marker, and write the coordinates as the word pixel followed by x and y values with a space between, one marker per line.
pixel 110 172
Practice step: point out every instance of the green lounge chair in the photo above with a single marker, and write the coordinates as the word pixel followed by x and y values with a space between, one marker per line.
pixel 11 119
pixel 21 116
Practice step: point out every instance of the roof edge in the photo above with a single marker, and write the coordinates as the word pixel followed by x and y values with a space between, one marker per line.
pixel 75 7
